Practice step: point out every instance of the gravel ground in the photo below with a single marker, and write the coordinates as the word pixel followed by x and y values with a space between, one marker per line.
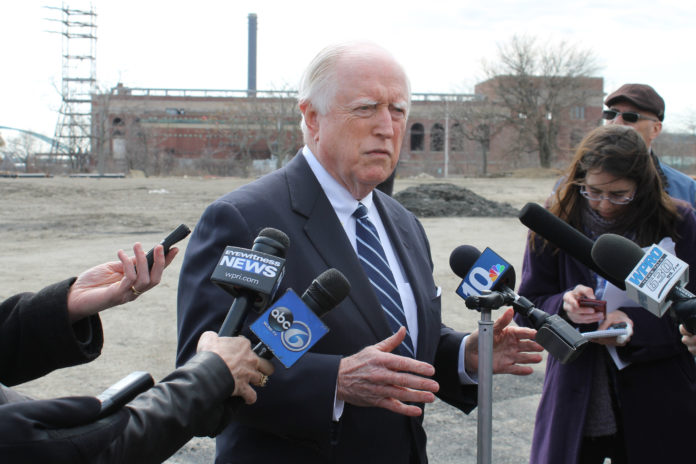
pixel 54 228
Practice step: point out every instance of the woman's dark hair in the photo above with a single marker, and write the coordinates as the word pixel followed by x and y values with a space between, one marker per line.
pixel 621 152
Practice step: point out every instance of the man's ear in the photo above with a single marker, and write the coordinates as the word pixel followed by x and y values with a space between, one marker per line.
pixel 655 131
pixel 311 117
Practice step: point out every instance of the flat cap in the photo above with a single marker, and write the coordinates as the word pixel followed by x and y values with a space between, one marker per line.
pixel 641 95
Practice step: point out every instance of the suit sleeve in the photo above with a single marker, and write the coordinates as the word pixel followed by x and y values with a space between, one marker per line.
pixel 36 336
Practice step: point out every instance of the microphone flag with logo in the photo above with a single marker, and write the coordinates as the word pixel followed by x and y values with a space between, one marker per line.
pixel 489 272
pixel 251 276
pixel 289 328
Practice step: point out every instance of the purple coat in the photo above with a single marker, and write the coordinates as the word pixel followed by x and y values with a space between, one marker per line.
pixel 656 392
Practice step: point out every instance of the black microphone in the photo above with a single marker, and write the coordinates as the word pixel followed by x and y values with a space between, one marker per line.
pixel 251 276
pixel 564 236
pixel 558 337
pixel 325 292
pixel 653 279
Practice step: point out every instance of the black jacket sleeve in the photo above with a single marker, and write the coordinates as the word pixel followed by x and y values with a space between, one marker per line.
pixel 36 336
pixel 191 401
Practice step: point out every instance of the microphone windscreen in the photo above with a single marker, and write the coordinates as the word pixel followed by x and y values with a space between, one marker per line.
pixel 269 233
pixel 326 291
pixel 462 258
pixel 564 236
pixel 558 232
pixel 616 255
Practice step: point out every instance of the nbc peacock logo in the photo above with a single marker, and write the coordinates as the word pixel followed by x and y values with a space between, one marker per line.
pixel 495 271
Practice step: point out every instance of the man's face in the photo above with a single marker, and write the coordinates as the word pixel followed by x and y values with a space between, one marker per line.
pixel 648 129
pixel 359 138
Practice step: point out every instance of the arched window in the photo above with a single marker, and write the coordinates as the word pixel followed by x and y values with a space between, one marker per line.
pixel 437 138
pixel 417 137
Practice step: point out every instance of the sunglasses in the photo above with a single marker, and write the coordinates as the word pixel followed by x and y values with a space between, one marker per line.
pixel 627 116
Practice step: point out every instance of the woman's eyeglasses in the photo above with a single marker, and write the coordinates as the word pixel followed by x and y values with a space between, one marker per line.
pixel 610 197
pixel 627 116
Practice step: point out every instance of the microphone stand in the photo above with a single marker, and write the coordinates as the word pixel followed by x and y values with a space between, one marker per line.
pixel 484 304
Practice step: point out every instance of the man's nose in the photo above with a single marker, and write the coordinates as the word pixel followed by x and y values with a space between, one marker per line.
pixel 383 123
pixel 618 120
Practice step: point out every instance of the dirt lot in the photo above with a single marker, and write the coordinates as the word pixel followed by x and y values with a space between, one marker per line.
pixel 56 227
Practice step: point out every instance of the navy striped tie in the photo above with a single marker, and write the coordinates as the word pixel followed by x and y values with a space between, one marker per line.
pixel 374 262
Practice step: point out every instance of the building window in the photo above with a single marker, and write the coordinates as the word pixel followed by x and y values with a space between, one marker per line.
pixel 417 137
pixel 577 113
pixel 437 138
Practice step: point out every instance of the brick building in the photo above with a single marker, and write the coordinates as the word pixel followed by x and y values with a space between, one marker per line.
pixel 225 132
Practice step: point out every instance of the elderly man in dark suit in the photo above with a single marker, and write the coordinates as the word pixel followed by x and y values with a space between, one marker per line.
pixel 352 398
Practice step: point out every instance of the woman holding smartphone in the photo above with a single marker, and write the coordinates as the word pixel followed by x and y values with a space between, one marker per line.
pixel 638 406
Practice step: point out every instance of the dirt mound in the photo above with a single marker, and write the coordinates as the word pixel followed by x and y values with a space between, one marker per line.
pixel 449 200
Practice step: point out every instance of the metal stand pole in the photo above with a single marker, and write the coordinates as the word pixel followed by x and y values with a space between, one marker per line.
pixel 485 388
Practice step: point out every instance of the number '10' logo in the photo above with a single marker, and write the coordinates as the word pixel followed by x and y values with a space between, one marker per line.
pixel 476 282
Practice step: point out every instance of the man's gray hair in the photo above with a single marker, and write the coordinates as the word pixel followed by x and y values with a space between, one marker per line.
pixel 318 83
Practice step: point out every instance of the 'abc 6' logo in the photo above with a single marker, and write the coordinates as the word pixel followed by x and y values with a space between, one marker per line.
pixel 295 335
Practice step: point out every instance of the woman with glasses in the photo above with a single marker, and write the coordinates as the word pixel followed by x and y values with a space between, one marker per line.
pixel 632 401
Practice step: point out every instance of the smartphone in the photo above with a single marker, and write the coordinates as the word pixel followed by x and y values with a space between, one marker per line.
pixel 600 306
pixel 176 235
pixel 123 391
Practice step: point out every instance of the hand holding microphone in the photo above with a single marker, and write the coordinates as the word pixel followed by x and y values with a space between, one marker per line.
pixel 246 368
pixel 688 339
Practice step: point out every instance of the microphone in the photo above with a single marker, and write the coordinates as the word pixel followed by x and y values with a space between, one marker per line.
pixel 487 271
pixel 251 276
pixel 323 294
pixel 564 236
pixel 654 279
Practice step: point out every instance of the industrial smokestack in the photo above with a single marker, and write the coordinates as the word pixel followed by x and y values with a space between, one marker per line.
pixel 251 79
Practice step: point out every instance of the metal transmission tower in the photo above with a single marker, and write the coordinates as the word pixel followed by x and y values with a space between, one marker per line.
pixel 79 48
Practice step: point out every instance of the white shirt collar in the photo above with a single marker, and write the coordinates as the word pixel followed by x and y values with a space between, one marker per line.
pixel 340 198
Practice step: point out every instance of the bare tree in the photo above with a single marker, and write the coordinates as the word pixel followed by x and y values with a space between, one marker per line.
pixel 280 122
pixel 538 84
pixel 20 150
pixel 478 121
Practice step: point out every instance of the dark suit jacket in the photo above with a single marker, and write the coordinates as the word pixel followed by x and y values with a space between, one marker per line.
pixel 291 421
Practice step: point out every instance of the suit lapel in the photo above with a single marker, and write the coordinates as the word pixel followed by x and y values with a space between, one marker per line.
pixel 396 225
pixel 327 236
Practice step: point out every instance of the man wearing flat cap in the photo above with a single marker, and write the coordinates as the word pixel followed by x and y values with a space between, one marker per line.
pixel 639 106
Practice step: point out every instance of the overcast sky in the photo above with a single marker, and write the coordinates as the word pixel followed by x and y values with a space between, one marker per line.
pixel 441 43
